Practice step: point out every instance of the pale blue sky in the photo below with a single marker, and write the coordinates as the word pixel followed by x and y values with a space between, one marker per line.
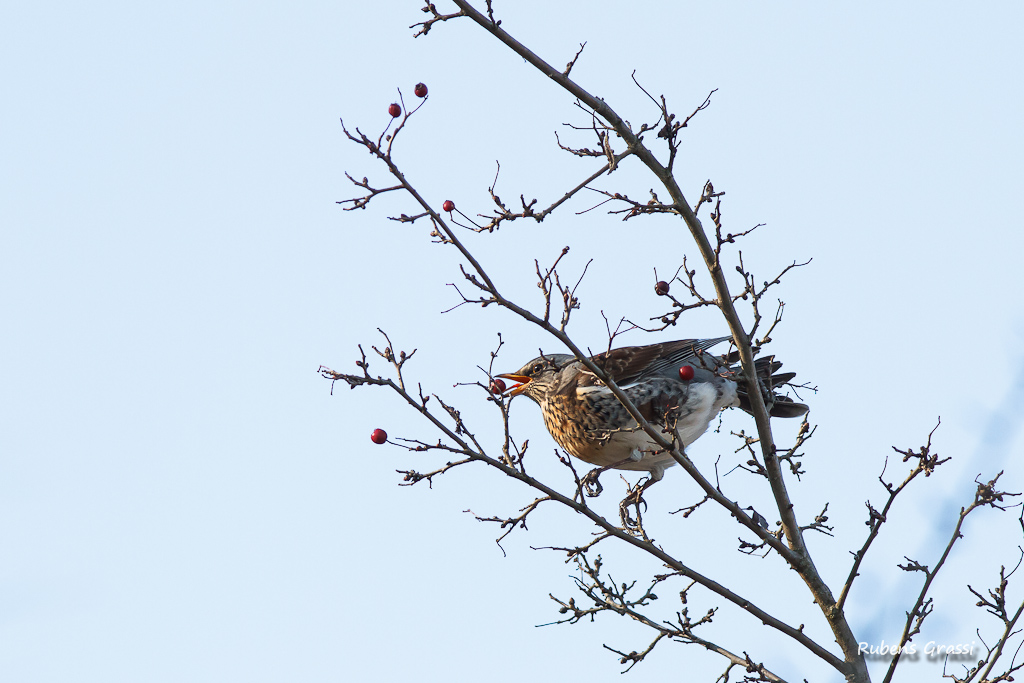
pixel 181 498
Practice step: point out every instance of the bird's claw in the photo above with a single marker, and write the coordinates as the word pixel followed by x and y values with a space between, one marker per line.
pixel 634 499
pixel 590 484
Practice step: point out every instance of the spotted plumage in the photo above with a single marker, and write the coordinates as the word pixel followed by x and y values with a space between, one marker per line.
pixel 586 419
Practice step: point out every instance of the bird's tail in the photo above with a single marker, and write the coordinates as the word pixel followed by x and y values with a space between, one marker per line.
pixel 767 371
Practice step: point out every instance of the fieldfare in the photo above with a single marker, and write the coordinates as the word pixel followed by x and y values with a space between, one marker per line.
pixel 586 419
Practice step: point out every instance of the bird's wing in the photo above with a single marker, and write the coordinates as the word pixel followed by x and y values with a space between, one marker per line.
pixel 680 352
pixel 633 363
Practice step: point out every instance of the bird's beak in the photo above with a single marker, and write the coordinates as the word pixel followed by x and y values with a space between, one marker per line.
pixel 522 380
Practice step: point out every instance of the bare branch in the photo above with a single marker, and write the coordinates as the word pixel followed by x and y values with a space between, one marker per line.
pixel 926 464
pixel 572 63
pixel 436 16
pixel 511 522
pixel 986 495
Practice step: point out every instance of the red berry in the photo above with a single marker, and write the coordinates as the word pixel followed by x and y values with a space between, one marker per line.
pixel 661 289
pixel 395 110
pixel 686 373
pixel 421 90
pixel 448 205
pixel 497 386
pixel 379 436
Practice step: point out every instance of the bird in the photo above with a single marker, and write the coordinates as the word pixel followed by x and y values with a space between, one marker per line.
pixel 677 386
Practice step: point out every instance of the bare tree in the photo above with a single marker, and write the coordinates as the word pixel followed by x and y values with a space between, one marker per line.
pixel 653 148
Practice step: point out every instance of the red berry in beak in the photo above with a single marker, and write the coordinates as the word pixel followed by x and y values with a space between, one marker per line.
pixel 379 436
pixel 448 205
pixel 661 289
pixel 497 386
pixel 421 90
pixel 395 110
pixel 686 373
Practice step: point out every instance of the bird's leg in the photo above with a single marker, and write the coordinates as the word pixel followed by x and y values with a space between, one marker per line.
pixel 634 499
pixel 590 484
pixel 590 481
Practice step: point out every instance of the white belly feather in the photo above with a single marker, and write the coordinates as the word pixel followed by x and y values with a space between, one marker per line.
pixel 703 402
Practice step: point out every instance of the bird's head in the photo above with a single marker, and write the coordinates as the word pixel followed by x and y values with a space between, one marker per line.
pixel 538 377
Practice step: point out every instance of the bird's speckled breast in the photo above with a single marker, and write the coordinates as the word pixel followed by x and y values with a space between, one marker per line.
pixel 592 425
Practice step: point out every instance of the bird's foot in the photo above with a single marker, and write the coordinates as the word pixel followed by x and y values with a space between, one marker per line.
pixel 590 485
pixel 634 499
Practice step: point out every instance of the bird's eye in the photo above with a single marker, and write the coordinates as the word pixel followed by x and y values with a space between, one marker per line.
pixel 537 368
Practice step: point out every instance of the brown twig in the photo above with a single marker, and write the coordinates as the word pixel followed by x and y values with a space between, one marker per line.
pixel 926 464
pixel 985 495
